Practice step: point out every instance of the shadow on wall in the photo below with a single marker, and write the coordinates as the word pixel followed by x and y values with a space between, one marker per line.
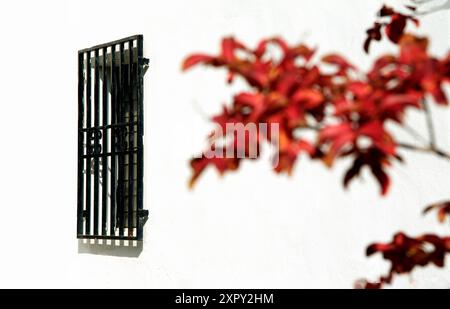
pixel 121 248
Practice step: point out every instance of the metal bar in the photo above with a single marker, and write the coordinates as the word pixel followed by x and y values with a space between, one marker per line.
pixel 121 181
pixel 88 143
pixel 96 142
pixel 80 144
pixel 130 139
pixel 105 145
pixel 116 42
pixel 109 126
pixel 108 154
pixel 113 142
pixel 140 133
pixel 106 237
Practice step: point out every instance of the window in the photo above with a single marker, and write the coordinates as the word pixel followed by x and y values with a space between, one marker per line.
pixel 110 140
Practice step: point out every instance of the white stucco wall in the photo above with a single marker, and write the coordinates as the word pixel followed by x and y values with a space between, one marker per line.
pixel 251 229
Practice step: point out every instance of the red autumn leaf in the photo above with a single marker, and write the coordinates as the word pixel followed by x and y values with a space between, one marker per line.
pixel 394 104
pixel 381 139
pixel 432 84
pixel 413 49
pixel 443 210
pixel 287 83
pixel 444 68
pixel 344 107
pixel 338 136
pixel 424 255
pixel 386 11
pixel 229 47
pixel 262 46
pixel 374 130
pixel 289 154
pixel 376 160
pixel 353 171
pixel 249 99
pixel 196 59
pixel 405 254
pixel 227 116
pixel 333 131
pixel 339 61
pixel 382 177
pixel 254 101
pixel 394 30
pixel 300 51
pixel 308 98
pixel 222 165
pixel 373 34
pixel 360 89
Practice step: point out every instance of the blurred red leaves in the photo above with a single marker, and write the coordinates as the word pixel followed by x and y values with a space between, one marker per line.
pixel 405 253
pixel 394 27
pixel 442 209
pixel 348 109
pixel 297 94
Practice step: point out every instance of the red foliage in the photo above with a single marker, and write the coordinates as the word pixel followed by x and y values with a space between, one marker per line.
pixel 296 94
pixel 405 253
pixel 443 210
pixel 394 27
pixel 347 108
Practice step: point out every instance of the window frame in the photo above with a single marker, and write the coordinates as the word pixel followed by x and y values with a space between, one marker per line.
pixel 111 117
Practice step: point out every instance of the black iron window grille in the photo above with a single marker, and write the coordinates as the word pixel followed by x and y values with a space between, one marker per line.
pixel 110 140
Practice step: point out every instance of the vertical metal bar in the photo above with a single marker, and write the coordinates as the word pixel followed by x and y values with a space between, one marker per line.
pixel 88 143
pixel 105 144
pixel 121 208
pixel 80 144
pixel 96 142
pixel 113 141
pixel 131 132
pixel 140 146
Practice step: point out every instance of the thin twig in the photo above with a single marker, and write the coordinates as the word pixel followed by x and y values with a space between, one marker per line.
pixel 414 133
pixel 435 151
pixel 430 124
pixel 429 149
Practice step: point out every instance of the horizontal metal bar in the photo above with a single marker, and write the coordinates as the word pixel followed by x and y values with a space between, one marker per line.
pixel 133 37
pixel 106 237
pixel 123 124
pixel 108 154
pixel 126 59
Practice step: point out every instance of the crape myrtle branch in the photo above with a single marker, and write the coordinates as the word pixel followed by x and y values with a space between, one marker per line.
pixel 344 107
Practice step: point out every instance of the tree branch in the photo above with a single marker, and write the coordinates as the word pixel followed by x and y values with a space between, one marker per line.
pixel 430 124
pixel 430 149
pixel 414 133
pixel 435 151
